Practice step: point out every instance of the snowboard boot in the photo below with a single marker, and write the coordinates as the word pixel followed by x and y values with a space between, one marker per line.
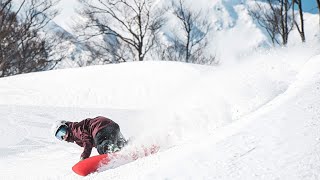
pixel 111 148
pixel 121 143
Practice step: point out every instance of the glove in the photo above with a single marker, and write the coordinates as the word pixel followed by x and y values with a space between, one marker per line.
pixel 81 159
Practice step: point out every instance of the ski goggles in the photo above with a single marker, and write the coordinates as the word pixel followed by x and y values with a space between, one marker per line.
pixel 61 133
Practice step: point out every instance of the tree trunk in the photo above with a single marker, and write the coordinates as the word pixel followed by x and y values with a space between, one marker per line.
pixel 302 34
pixel 301 27
pixel 283 22
pixel 286 32
pixel 318 2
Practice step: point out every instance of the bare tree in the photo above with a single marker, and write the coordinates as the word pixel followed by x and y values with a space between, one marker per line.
pixel 128 28
pixel 266 19
pixel 285 26
pixel 301 27
pixel 190 46
pixel 274 17
pixel 23 45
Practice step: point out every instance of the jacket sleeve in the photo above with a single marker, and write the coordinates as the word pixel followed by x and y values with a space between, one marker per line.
pixel 87 145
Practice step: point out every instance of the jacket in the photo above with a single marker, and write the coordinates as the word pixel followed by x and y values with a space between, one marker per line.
pixel 84 132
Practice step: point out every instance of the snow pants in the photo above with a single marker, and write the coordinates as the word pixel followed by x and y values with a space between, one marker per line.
pixel 109 139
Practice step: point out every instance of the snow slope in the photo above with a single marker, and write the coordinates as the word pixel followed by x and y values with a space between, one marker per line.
pixel 254 119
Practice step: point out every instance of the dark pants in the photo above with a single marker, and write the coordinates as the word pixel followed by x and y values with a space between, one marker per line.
pixel 109 139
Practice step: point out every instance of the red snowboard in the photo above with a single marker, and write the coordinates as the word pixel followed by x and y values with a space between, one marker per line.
pixel 107 161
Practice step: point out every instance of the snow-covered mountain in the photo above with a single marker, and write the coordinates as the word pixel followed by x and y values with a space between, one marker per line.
pixel 234 32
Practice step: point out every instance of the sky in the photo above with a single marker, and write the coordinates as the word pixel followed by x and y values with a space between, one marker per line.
pixel 310 6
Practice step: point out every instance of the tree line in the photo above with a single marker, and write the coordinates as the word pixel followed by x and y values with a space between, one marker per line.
pixel 115 31
pixel 127 30
pixel 280 17
pixel 23 45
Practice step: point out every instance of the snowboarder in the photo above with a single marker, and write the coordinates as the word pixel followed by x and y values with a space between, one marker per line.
pixel 99 132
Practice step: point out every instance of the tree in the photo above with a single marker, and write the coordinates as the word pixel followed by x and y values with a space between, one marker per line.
pixel 274 18
pixel 190 45
pixel 23 46
pixel 301 27
pixel 127 28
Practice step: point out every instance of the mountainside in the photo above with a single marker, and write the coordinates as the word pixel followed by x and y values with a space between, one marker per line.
pixel 234 33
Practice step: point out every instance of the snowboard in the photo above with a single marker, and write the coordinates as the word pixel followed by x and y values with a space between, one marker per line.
pixel 104 162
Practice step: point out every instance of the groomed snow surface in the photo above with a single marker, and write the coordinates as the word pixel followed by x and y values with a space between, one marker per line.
pixel 255 118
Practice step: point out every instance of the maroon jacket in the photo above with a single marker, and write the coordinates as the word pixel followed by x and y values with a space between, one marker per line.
pixel 83 132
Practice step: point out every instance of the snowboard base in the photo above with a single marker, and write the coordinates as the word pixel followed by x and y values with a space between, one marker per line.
pixel 108 161
pixel 89 165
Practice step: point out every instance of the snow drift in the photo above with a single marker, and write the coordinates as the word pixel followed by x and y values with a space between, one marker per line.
pixel 257 119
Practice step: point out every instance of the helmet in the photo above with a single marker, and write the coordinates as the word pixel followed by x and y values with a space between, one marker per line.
pixel 60 129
